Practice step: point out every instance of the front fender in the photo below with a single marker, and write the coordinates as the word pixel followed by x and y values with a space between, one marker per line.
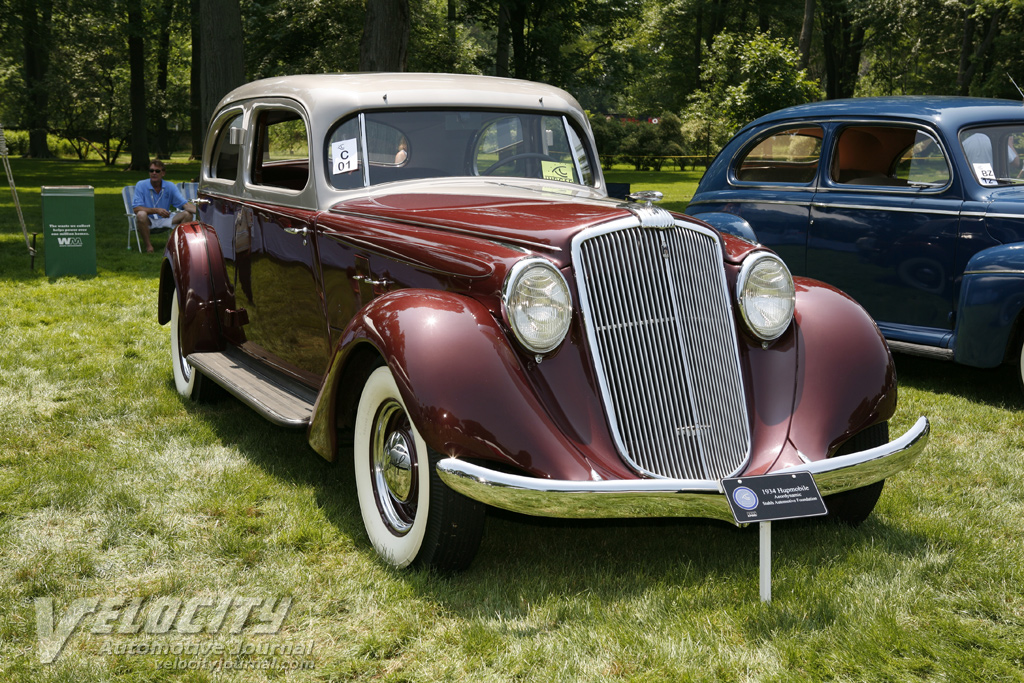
pixel 846 380
pixel 193 266
pixel 464 386
pixel 991 301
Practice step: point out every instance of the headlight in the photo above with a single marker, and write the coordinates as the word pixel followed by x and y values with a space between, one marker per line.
pixel 767 296
pixel 538 307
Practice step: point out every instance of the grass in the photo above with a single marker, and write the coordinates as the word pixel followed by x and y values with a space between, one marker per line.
pixel 112 487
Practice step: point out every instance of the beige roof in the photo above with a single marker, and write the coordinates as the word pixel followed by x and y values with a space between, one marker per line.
pixel 337 93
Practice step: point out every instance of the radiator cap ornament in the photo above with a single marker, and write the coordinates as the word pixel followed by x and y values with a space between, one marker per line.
pixel 650 215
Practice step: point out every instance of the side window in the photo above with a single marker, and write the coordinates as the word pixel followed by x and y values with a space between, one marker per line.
pixel 385 145
pixel 282 150
pixel 226 151
pixel 923 163
pixel 582 158
pixel 344 156
pixel 888 156
pixel 786 156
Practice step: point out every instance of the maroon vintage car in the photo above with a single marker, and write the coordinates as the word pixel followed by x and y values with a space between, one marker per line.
pixel 427 268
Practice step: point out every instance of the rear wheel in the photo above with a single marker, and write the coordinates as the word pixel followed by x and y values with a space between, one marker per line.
pixel 410 515
pixel 853 507
pixel 189 382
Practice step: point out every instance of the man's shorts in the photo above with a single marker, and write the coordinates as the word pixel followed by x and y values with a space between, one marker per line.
pixel 159 222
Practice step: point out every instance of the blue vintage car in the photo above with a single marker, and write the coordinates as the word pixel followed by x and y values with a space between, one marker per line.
pixel 912 205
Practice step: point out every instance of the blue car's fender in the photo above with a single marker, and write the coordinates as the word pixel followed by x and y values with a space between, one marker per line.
pixel 990 305
pixel 728 223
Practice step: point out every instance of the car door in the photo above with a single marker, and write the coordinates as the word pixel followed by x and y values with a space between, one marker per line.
pixel 884 224
pixel 277 280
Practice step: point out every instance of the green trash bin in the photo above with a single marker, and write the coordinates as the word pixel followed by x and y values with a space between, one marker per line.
pixel 69 229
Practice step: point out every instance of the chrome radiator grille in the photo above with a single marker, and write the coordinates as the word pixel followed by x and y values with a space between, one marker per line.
pixel 660 328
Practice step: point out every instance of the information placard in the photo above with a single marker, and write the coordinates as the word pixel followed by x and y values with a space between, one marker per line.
pixel 69 228
pixel 772 497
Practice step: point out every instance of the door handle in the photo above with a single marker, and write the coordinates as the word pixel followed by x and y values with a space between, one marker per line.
pixel 297 231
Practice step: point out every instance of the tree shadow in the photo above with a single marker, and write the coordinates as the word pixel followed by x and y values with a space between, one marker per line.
pixel 997 387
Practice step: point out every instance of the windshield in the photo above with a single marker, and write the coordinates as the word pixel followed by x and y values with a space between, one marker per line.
pixel 994 153
pixel 406 145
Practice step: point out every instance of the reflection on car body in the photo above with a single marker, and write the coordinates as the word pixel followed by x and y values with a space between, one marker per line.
pixel 428 269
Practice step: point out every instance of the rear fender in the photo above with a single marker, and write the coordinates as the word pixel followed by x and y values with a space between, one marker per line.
pixel 193 266
pixel 990 305
pixel 463 384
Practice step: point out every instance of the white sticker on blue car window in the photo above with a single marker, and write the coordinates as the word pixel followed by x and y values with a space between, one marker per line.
pixel 986 176
pixel 344 156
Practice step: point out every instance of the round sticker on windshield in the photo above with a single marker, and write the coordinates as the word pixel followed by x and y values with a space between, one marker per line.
pixel 745 498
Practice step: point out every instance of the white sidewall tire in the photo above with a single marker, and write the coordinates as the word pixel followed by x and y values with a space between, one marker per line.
pixel 399 551
pixel 184 374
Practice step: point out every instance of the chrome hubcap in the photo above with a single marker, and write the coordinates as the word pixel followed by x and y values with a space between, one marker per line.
pixel 393 468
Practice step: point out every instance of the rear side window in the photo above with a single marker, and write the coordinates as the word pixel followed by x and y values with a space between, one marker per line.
pixel 786 156
pixel 889 156
pixel 227 149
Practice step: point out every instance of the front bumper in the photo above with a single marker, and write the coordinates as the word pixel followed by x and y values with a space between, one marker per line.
pixel 666 497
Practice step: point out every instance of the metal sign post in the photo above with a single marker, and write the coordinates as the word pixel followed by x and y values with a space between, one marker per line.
pixel 14 191
pixel 769 497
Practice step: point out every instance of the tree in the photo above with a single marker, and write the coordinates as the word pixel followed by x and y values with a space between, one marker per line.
pixel 843 41
pixel 749 77
pixel 36 22
pixel 222 67
pixel 385 42
pixel 137 89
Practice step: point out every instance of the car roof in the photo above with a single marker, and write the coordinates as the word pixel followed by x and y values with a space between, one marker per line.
pixel 942 112
pixel 339 93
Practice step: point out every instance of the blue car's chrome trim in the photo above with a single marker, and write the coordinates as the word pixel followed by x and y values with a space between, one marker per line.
pixel 666 497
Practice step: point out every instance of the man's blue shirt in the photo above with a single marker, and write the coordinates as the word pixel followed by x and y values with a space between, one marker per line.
pixel 168 198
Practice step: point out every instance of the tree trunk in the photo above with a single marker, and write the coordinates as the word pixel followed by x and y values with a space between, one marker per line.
pixel 501 50
pixel 843 43
pixel 222 67
pixel 195 94
pixel 37 19
pixel 385 36
pixel 518 29
pixel 137 86
pixel 969 63
pixel 806 33
pixel 163 53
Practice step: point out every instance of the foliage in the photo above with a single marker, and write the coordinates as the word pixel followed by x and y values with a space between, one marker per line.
pixel 752 77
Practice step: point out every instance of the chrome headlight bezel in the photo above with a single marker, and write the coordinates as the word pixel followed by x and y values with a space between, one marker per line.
pixel 513 297
pixel 751 304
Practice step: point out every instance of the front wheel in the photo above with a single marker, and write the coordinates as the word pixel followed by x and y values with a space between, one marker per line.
pixel 410 515
pixel 853 507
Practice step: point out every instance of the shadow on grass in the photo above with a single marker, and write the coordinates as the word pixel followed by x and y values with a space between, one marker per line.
pixel 997 387
pixel 525 561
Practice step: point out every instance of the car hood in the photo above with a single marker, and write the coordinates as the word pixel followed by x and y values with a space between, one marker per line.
pixel 539 217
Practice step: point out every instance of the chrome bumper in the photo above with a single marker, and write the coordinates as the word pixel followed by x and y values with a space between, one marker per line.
pixel 666 497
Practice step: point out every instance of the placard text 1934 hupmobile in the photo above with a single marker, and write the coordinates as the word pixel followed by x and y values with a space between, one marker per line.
pixel 426 270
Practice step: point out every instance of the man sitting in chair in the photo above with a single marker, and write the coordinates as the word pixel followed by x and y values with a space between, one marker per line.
pixel 154 200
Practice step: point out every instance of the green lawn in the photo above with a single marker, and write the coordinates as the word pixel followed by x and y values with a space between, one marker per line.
pixel 113 488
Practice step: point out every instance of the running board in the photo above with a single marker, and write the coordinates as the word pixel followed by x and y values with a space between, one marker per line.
pixel 276 397
pixel 933 352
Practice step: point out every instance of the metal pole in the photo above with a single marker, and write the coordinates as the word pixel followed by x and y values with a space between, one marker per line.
pixel 766 561
pixel 14 192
